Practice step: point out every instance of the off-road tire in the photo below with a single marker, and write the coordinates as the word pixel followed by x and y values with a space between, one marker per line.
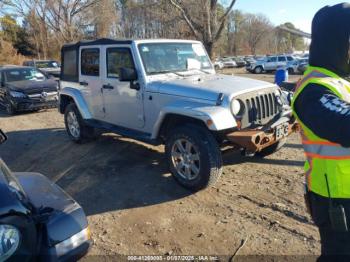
pixel 209 154
pixel 258 70
pixel 272 149
pixel 86 132
pixel 291 71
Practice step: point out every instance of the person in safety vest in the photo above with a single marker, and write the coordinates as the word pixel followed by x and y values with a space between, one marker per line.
pixel 321 105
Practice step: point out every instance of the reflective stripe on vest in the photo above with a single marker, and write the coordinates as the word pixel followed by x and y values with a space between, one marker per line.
pixel 326 151
pixel 322 155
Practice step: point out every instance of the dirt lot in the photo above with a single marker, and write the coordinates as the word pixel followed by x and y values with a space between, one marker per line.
pixel 135 207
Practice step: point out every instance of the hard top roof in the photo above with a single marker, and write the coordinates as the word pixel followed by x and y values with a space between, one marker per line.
pixel 110 41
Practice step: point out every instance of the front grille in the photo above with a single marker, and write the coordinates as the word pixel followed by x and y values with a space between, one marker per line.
pixel 260 107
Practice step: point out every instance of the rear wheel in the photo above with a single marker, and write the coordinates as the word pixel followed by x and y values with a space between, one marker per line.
pixel 194 157
pixel 77 130
pixel 291 71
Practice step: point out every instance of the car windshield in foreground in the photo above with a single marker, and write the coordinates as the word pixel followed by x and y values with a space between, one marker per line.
pixel 46 64
pixel 161 58
pixel 22 74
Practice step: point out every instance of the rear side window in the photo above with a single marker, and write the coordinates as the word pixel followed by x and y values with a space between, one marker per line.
pixel 282 59
pixel 90 62
pixel 289 58
pixel 116 59
pixel 69 65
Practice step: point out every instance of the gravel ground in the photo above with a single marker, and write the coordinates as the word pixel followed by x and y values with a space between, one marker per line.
pixel 135 207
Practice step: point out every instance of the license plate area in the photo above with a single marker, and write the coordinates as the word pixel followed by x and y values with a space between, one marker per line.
pixel 282 131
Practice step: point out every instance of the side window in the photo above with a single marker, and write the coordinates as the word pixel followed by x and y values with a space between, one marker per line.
pixel 90 62
pixel 289 58
pixel 272 59
pixel 282 59
pixel 116 59
pixel 69 65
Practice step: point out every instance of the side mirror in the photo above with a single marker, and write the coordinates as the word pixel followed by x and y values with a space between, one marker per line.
pixel 3 137
pixel 127 74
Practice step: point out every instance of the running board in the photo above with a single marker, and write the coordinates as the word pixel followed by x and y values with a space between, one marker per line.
pixel 123 131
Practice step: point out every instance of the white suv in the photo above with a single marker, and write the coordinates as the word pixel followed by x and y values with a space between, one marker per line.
pixel 271 63
pixel 167 92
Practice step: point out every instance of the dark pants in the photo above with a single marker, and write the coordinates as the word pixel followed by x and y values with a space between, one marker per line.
pixel 335 246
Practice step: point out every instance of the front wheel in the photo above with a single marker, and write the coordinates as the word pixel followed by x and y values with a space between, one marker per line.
pixel 75 126
pixel 258 70
pixel 194 157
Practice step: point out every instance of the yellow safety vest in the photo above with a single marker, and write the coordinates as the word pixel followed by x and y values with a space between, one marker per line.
pixel 323 156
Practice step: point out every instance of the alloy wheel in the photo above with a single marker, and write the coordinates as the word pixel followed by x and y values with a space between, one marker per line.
pixel 186 159
pixel 73 124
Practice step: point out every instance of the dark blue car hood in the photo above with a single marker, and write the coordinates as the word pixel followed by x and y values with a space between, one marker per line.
pixel 32 86
pixel 67 217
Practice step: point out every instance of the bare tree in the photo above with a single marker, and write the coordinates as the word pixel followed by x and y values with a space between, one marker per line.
pixel 204 19
pixel 256 28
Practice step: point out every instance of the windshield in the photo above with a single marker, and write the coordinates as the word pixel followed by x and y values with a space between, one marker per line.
pixel 46 64
pixel 21 74
pixel 161 58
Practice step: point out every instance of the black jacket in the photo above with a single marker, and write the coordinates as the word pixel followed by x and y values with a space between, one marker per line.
pixel 318 108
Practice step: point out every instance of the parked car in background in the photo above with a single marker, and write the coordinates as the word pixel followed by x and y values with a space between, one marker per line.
pixel 229 62
pixel 249 61
pixel 38 220
pixel 271 63
pixel 240 62
pixel 167 92
pixel 26 89
pixel 49 67
pixel 218 64
pixel 303 64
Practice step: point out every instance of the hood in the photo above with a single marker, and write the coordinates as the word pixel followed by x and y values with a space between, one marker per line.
pixel 208 87
pixel 330 39
pixel 67 218
pixel 32 86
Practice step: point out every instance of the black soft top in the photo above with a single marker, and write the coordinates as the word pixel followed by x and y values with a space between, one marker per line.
pixel 101 41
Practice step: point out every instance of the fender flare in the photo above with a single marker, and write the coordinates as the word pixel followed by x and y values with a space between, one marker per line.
pixel 216 118
pixel 78 98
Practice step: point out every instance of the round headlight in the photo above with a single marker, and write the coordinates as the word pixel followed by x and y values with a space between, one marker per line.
pixel 9 241
pixel 237 107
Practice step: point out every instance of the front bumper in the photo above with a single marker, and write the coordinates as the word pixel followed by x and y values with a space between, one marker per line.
pixel 255 140
pixel 29 104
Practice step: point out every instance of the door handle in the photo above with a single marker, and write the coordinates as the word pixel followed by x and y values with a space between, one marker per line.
pixel 109 86
pixel 83 83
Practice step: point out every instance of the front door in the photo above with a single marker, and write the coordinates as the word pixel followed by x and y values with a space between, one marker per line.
pixel 123 105
pixel 90 80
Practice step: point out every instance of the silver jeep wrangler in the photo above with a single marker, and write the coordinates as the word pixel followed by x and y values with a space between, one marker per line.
pixel 167 92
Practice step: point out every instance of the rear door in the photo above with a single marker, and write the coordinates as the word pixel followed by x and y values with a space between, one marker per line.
pixel 124 106
pixel 282 61
pixel 90 79
pixel 271 63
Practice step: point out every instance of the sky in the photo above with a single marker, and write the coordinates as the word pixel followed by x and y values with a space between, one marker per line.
pixel 298 12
